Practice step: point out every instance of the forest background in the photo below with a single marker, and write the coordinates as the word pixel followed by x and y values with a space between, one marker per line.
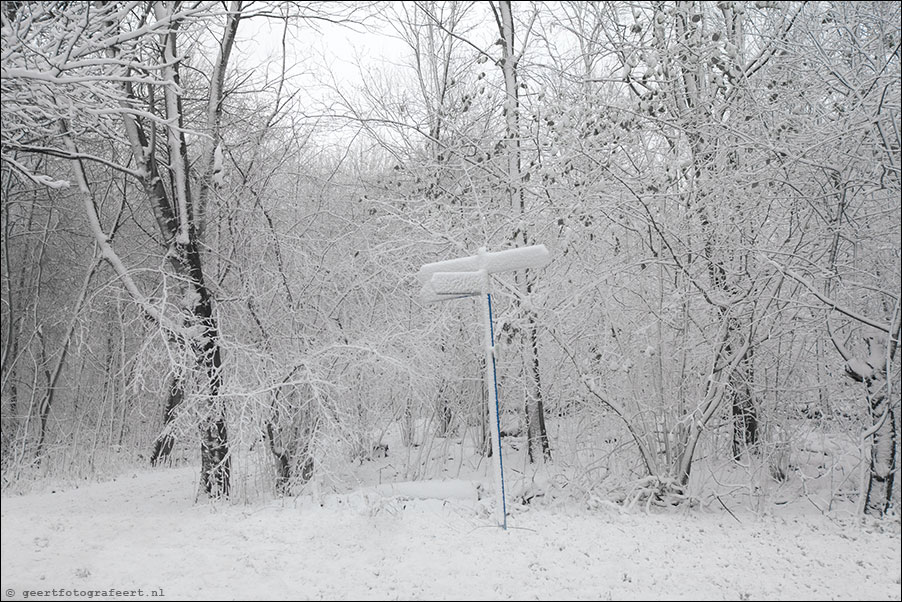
pixel 212 220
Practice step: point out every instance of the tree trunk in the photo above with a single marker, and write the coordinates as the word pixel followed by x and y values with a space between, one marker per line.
pixel 723 294
pixel 536 433
pixel 872 371
pixel 744 406
pixel 176 220
pixel 215 462
pixel 288 433
pixel 881 474
pixel 697 101
pixel 166 441
pixel 290 447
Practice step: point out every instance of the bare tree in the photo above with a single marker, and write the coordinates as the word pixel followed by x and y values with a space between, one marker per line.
pixel 536 432
pixel 113 64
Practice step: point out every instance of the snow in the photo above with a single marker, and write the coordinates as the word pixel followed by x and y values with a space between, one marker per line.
pixel 444 286
pixel 426 540
pixel 500 261
pixel 218 167
pixel 459 283
pixel 860 367
pixel 452 489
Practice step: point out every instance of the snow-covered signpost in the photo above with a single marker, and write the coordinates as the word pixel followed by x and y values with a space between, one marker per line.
pixel 469 277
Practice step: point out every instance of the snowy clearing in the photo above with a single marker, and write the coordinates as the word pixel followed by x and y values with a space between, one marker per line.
pixel 146 531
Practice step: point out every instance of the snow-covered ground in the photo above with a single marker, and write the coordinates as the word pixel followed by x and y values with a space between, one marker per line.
pixel 146 532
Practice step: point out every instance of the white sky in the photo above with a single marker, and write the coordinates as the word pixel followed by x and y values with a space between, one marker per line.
pixel 331 51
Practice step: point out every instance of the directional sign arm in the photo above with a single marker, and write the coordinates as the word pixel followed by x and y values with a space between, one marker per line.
pixel 535 256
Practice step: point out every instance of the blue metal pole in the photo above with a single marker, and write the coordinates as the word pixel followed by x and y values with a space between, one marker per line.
pixel 497 412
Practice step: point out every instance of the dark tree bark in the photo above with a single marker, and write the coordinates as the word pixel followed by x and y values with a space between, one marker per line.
pixel 872 371
pixel 536 434
pixel 162 448
pixel 881 474
pixel 176 219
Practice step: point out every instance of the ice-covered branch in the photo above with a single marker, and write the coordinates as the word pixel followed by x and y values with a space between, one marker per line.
pixel 68 154
pixel 52 78
pixel 831 303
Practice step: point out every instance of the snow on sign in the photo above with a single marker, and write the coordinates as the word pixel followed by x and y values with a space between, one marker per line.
pixel 469 277
pixel 501 261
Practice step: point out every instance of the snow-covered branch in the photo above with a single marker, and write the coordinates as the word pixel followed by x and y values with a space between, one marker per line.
pixel 831 303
